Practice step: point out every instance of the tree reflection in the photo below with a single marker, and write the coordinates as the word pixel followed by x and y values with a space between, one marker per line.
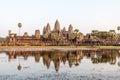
pixel 105 56
pixel 119 63
pixel 19 67
pixel 72 57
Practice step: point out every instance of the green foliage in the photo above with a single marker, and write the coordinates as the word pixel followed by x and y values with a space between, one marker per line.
pixel 54 36
pixel 45 36
pixel 19 25
pixel 76 31
pixel 95 32
pixel 2 39
pixel 71 36
pixel 118 28
pixel 104 34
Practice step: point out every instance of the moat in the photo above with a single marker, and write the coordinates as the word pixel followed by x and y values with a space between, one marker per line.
pixel 60 65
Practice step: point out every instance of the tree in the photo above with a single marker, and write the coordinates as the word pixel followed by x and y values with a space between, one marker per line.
pixel 76 33
pixel 95 32
pixel 71 36
pixel 54 36
pixel 19 25
pixel 103 34
pixel 45 36
pixel 112 31
pixel 118 28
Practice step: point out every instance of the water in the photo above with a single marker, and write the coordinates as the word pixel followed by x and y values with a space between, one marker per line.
pixel 60 65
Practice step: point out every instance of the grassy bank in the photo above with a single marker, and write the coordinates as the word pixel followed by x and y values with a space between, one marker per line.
pixel 109 47
pixel 49 47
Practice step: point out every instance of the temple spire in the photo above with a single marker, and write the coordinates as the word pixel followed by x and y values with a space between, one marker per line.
pixel 57 26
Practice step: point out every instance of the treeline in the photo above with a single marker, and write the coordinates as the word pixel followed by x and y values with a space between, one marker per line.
pixel 2 39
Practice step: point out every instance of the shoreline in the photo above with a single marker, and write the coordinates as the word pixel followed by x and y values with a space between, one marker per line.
pixel 50 48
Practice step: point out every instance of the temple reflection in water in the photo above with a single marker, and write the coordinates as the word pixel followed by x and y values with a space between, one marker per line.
pixel 71 57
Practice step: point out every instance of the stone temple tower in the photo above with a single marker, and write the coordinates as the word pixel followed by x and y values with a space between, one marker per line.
pixel 64 29
pixel 37 34
pixel 70 29
pixel 44 30
pixel 48 29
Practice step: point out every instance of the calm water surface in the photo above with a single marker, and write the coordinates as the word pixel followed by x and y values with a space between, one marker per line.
pixel 60 65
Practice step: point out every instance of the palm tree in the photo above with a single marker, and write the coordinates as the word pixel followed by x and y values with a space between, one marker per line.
pixel 19 25
pixel 118 28
pixel 76 32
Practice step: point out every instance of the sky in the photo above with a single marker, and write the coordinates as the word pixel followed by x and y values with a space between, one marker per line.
pixel 85 15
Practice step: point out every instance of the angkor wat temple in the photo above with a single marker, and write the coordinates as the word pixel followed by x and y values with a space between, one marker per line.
pixel 54 37
pixel 64 37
